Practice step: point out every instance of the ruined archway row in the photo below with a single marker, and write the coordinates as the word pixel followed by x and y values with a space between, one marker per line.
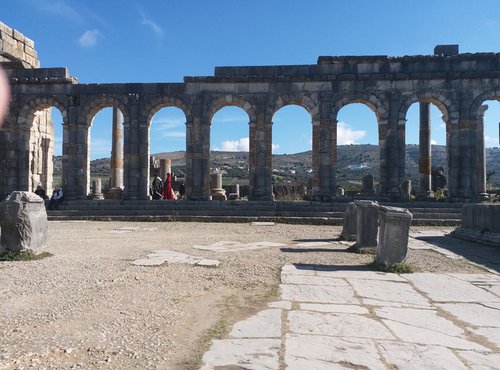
pixel 459 96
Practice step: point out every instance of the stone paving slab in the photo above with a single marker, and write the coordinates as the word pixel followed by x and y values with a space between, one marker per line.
pixel 158 258
pixel 371 321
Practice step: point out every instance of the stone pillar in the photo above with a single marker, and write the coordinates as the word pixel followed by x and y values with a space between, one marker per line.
pixel 260 161
pixel 97 189
pixel 216 190
pixel 350 222
pixel 425 156
pixel 117 150
pixel 316 193
pixel 165 167
pixel 481 154
pixel 326 145
pixel 394 232
pixel 367 225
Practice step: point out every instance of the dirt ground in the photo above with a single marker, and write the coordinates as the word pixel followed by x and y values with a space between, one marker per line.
pixel 88 306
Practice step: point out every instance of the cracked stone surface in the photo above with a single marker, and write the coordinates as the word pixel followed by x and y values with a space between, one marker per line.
pixel 158 258
pixel 336 318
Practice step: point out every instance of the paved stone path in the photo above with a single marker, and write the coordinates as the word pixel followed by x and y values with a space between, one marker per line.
pixel 345 317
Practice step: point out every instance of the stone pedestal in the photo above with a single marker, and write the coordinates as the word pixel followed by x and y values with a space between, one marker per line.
pixel 394 232
pixel 350 222
pixel 97 189
pixel 216 190
pixel 23 221
pixel 367 225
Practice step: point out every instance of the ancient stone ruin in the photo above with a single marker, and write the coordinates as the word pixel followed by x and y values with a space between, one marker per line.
pixel 23 223
pixel 457 84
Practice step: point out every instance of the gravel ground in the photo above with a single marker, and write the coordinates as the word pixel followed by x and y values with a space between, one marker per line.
pixel 87 306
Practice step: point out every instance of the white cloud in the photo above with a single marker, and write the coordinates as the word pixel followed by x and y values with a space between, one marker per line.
pixel 275 147
pixel 346 136
pixel 90 38
pixel 241 145
pixel 433 142
pixel 151 24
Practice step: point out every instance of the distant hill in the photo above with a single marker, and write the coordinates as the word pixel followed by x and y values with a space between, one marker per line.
pixel 353 162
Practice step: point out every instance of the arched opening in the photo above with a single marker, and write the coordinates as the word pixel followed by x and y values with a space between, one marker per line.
pixel 426 164
pixel 292 167
pixel 229 147
pixel 57 154
pixel 44 168
pixel 105 165
pixel 167 153
pixel 492 146
pixel 358 152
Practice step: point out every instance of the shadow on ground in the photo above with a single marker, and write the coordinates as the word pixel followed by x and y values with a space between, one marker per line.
pixel 475 252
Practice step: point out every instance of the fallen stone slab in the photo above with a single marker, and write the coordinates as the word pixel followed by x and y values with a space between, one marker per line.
pixel 158 258
pixel 251 354
pixel 229 246
pixel 318 294
pixel 323 352
pixel 445 288
pixel 418 357
pixel 389 291
pixel 265 324
pixel 479 360
pixel 337 325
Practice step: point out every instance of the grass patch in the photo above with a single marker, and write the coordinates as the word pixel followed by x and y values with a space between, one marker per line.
pixel 397 268
pixel 23 256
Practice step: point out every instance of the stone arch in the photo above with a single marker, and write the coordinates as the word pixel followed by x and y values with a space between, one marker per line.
pixel 444 103
pixel 229 100
pixel 99 102
pixel 301 100
pixel 155 105
pixel 372 101
pixel 479 101
pixel 28 110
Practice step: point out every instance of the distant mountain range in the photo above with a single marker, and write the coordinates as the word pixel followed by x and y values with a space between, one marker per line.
pixel 353 162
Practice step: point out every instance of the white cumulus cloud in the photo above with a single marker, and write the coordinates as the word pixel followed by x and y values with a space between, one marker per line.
pixel 275 147
pixel 90 38
pixel 433 142
pixel 346 135
pixel 241 145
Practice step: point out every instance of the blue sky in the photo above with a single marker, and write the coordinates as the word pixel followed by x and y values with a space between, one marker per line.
pixel 163 41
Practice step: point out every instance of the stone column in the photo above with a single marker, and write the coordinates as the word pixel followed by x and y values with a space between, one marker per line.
pixel 325 142
pixel 165 167
pixel 367 225
pixel 117 150
pixel 481 154
pixel 216 190
pixel 425 156
pixel 315 181
pixel 97 189
pixel 260 157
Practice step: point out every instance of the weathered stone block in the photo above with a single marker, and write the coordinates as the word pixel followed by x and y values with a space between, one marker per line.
pixel 394 232
pixel 23 220
pixel 367 224
pixel 350 222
